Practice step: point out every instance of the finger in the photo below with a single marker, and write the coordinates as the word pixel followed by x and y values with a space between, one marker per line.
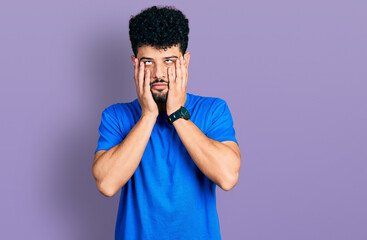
pixel 178 72
pixel 183 72
pixel 141 76
pixel 173 73
pixel 147 81
pixel 136 69
pixel 171 80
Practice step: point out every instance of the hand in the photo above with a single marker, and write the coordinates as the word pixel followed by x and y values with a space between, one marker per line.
pixel 142 81
pixel 177 79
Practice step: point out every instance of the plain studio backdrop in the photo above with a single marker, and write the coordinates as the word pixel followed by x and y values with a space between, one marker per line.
pixel 292 72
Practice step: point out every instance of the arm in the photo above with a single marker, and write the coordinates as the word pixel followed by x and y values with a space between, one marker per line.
pixel 114 167
pixel 219 161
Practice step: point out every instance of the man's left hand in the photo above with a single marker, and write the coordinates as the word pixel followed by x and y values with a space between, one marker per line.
pixel 177 79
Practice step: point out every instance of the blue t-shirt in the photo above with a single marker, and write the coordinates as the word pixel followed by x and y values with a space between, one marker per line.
pixel 168 197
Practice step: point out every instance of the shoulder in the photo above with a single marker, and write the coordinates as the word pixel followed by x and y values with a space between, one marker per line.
pixel 118 109
pixel 208 102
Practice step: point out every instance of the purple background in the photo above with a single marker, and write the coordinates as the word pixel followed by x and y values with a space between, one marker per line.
pixel 293 73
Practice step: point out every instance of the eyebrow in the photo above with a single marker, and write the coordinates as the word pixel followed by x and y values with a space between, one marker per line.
pixel 146 58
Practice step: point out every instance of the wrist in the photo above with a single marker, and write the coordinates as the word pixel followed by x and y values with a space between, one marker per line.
pixel 169 112
pixel 181 113
pixel 149 117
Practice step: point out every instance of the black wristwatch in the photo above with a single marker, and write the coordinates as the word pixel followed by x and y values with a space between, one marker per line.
pixel 180 113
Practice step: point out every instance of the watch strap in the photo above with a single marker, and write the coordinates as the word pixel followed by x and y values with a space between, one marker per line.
pixel 174 116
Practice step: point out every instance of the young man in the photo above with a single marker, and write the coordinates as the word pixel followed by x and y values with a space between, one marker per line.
pixel 168 149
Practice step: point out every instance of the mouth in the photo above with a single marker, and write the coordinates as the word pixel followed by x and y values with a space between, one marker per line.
pixel 159 86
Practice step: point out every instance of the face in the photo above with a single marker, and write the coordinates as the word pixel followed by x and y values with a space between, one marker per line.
pixel 158 61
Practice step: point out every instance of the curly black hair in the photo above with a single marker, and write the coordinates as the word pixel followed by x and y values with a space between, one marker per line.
pixel 160 27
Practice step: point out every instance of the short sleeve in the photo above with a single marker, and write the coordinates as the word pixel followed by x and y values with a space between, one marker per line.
pixel 221 126
pixel 110 133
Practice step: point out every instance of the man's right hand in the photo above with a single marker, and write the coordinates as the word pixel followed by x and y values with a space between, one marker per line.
pixel 142 81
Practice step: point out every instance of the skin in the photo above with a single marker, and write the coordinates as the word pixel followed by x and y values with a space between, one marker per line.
pixel 219 161
pixel 166 66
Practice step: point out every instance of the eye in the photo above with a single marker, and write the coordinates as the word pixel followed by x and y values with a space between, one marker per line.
pixel 148 62
pixel 169 61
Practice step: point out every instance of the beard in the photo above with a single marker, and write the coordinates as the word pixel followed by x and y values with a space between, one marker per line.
pixel 160 96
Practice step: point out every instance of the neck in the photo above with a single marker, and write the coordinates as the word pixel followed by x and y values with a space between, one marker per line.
pixel 162 107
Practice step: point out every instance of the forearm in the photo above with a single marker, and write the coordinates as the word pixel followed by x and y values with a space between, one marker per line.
pixel 116 166
pixel 216 160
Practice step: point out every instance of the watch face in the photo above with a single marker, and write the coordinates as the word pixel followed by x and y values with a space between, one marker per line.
pixel 185 113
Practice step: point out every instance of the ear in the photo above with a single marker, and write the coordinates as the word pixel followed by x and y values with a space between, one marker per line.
pixel 133 58
pixel 187 59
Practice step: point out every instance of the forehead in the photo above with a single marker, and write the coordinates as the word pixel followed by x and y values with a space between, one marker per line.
pixel 152 52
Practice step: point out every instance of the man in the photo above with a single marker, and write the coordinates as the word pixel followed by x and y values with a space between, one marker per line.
pixel 168 149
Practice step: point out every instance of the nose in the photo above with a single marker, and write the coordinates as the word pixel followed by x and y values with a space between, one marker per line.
pixel 159 72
